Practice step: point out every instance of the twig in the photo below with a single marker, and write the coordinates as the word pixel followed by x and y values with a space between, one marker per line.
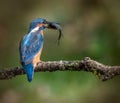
pixel 104 72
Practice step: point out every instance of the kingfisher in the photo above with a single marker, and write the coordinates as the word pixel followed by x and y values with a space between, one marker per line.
pixel 31 44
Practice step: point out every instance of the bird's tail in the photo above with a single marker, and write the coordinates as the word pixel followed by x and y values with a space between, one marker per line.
pixel 29 69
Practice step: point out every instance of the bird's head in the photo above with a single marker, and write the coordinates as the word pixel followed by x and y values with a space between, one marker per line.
pixel 41 24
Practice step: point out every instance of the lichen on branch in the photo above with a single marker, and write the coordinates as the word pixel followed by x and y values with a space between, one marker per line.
pixel 104 72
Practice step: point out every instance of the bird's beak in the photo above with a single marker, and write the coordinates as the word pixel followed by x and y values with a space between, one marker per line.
pixel 55 26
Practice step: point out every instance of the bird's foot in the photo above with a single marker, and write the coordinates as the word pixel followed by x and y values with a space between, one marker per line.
pixel 39 62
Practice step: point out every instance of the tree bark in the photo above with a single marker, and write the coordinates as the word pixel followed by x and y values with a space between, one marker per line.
pixel 104 72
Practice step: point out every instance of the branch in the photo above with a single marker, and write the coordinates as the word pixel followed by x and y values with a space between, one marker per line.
pixel 104 72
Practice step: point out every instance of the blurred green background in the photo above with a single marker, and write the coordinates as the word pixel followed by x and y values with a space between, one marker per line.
pixel 90 28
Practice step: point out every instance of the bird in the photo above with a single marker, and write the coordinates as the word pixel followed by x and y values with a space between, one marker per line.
pixel 31 44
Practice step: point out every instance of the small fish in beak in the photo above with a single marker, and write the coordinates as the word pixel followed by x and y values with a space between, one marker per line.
pixel 55 26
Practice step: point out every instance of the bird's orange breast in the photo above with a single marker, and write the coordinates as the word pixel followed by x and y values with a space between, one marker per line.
pixel 36 58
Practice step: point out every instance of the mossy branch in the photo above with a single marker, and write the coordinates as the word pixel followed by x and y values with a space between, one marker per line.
pixel 104 72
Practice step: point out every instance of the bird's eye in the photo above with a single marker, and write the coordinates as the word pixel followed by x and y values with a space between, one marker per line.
pixel 44 22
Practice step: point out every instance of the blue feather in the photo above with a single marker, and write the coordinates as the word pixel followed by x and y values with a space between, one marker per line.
pixel 29 69
pixel 30 46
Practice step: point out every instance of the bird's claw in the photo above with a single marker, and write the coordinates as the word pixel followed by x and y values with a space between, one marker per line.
pixel 39 62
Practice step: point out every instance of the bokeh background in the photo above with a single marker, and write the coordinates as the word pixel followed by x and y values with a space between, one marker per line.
pixel 90 27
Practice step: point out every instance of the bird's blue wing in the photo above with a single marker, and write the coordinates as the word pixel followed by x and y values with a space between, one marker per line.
pixel 30 44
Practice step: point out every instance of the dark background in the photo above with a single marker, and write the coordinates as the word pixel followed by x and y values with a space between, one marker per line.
pixel 90 27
